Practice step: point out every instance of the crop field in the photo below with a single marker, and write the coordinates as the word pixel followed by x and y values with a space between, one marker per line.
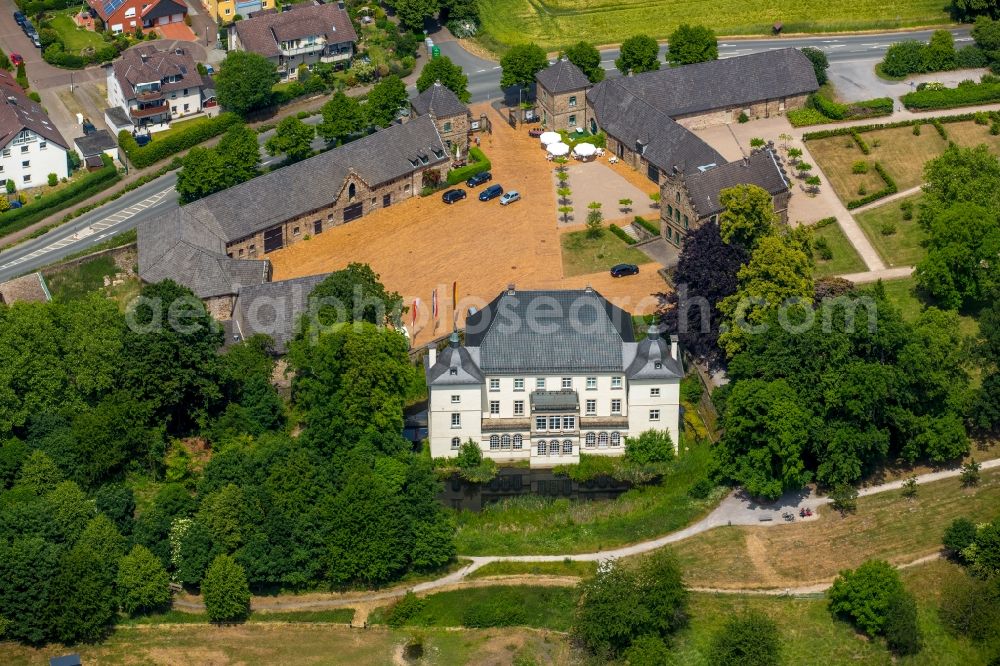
pixel 553 24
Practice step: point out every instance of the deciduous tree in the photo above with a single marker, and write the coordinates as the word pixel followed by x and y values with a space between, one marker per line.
pixel 446 72
pixel 749 639
pixel 244 82
pixel 143 584
pixel 689 44
pixel 292 138
pixel 864 595
pixel 343 117
pixel 520 64
pixel 819 62
pixel 225 591
pixel 385 99
pixel 639 53
pixel 588 59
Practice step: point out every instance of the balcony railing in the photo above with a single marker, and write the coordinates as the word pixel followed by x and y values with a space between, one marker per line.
pixel 148 111
pixel 299 50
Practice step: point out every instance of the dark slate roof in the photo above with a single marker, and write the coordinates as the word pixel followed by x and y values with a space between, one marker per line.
pixel 177 248
pixel 317 182
pixel 554 401
pixel 274 309
pixel 164 8
pixel 650 352
pixel 95 143
pixel 264 31
pixel 439 101
pixel 762 168
pixel 455 366
pixel 725 83
pixel 632 120
pixel 549 331
pixel 117 116
pixel 561 77
pixel 18 112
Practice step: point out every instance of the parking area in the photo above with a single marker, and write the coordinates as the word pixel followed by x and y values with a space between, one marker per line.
pixel 422 244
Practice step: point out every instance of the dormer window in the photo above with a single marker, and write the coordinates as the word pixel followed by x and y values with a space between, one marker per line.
pixel 452 371
pixel 658 365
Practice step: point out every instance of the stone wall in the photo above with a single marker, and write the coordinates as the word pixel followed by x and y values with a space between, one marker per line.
pixel 761 109
pixel 557 109
pixel 296 228
pixel 220 307
pixel 454 131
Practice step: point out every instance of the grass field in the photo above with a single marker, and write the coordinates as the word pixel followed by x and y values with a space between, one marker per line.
pixel 904 294
pixel 553 24
pixel 845 257
pixel 88 277
pixel 74 39
pixel 538 525
pixel 886 525
pixel 582 254
pixel 901 248
pixel 565 568
pixel 541 607
pixel 303 644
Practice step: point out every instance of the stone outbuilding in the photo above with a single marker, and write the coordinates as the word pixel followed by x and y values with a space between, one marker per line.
pixel 451 117
pixel 561 93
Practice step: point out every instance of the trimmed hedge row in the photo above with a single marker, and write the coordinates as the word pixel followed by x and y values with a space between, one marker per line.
pixel 618 231
pixel 966 94
pixel 890 188
pixel 822 110
pixel 19 218
pixel 191 135
pixel 862 144
pixel 460 174
pixel 841 131
pixel 647 225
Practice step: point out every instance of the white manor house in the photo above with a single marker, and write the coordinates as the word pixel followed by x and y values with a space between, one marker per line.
pixel 545 375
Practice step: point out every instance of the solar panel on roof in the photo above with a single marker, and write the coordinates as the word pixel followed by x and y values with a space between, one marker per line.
pixel 112 5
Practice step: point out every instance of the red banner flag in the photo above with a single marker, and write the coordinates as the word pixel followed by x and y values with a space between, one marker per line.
pixel 414 308
pixel 434 304
pixel 454 296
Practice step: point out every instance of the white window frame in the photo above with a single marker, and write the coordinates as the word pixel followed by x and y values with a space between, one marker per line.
pixel 456 420
pixel 455 397
pixel 569 423
pixel 616 406
pixel 591 383
pixel 654 415
pixel 456 443
pixel 567 383
pixel 494 408
pixel 519 408
pixel 519 383
pixel 494 384
pixel 540 383
pixel 590 440
pixel 591 406
pixel 541 423
pixel 616 439
pixel 555 422
pixel 616 382
pixel 518 442
pixel 654 392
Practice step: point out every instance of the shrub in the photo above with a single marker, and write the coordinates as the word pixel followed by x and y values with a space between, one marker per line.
pixel 947 98
pixel 750 639
pixel 887 228
pixel 906 208
pixel 971 607
pixel 864 594
pixel 618 231
pixel 995 128
pixel 859 167
pixel 53 180
pixel 970 473
pixel 191 135
pixel 844 498
pixel 960 535
pixel 743 117
pixel 651 446
pixel 22 77
pixel 828 107
pixel 822 247
pixel 902 633
pixel 494 613
pixel 701 489
pixel 35 97
pixel 651 227
pixel 862 144
pixel 916 130
pixel 940 128
pixel 825 222
pixel 862 190
pixel 404 609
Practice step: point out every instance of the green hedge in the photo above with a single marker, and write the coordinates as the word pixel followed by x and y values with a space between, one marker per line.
pixel 841 131
pixel 461 174
pixel 966 94
pixel 651 227
pixel 159 149
pixel 890 188
pixel 822 110
pixel 862 144
pixel 19 218
pixel 618 231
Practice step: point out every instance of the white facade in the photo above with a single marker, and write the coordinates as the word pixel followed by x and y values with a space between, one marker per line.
pixel 549 419
pixel 150 105
pixel 29 158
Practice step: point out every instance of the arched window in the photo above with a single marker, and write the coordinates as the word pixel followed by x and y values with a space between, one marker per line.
pixel 567 447
pixel 455 442
pixel 616 439
pixel 554 448
pixel 494 442
pixel 518 442
pixel 352 191
pixel 602 440
pixel 591 440
pixel 505 442
pixel 541 448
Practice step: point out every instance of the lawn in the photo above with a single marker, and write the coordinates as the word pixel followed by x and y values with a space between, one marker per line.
pixel 901 248
pixel 74 39
pixel 886 525
pixel 904 295
pixel 582 254
pixel 301 644
pixel 553 24
pixel 539 525
pixel 542 607
pixel 88 277
pixel 564 568
pixel 845 258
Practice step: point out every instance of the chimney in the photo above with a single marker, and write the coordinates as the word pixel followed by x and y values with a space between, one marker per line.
pixel 432 354
pixel 746 160
pixel 144 57
pixel 510 289
pixel 674 353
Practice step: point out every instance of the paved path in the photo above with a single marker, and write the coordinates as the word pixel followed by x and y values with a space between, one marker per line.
pixel 898 273
pixel 736 509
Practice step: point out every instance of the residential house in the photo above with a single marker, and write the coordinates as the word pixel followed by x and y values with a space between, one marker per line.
pixel 226 11
pixel 562 94
pixel 92 146
pixel 31 147
pixel 217 245
pixel 689 200
pixel 300 35
pixel 545 375
pixel 128 15
pixel 451 117
pixel 151 87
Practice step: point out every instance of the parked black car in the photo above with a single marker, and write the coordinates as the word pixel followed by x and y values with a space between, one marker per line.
pixel 621 270
pixel 27 27
pixel 20 18
pixel 479 179
pixel 491 192
pixel 451 196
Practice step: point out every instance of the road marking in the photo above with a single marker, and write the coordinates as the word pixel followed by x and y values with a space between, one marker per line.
pixel 86 232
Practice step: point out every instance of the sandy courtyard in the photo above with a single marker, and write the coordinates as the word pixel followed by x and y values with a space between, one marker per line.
pixel 422 244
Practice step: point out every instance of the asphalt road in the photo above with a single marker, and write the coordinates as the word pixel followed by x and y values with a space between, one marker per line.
pixel 844 51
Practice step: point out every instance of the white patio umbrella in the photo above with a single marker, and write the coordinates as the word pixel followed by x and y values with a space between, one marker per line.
pixel 557 149
pixel 585 149
pixel 549 137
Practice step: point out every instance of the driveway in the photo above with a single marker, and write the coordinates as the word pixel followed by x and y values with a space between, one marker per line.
pixel 856 80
